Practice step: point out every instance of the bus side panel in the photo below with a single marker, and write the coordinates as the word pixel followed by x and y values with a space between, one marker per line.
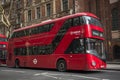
pixel 76 61
pixel 10 55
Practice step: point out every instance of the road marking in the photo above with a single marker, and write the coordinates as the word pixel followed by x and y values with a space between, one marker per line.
pixel 51 76
pixel 45 74
pixel 13 71
pixel 37 74
pixel 108 70
pixel 61 78
pixel 94 78
pixel 81 76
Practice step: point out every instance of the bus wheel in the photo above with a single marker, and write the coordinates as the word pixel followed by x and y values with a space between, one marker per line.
pixel 61 65
pixel 17 63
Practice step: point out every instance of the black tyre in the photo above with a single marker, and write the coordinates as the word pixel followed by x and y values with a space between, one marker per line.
pixel 61 65
pixel 17 64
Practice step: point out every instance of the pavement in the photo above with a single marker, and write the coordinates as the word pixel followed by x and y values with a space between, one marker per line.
pixel 113 66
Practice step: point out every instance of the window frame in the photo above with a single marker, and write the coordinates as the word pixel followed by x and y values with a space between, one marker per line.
pixel 29 15
pixel 48 9
pixel 63 5
pixel 38 12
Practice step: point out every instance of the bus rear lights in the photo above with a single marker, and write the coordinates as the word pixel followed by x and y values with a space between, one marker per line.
pixel 93 63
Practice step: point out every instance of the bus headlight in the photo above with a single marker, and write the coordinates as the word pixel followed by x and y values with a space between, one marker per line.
pixel 93 63
pixel 4 46
pixel 101 34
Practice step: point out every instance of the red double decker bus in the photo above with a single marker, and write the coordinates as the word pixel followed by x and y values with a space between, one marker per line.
pixel 73 42
pixel 3 48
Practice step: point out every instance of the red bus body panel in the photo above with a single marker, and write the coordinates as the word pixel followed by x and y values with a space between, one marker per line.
pixel 74 61
pixel 3 60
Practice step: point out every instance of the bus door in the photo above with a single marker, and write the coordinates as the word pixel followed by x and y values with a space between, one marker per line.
pixel 3 56
pixel 76 53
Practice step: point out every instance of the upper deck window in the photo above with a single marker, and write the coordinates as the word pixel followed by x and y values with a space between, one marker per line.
pixel 32 31
pixel 91 20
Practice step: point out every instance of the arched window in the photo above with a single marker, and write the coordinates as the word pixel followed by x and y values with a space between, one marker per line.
pixel 48 9
pixel 64 5
pixel 116 52
pixel 115 19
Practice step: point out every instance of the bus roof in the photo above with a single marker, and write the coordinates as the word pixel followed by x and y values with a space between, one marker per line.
pixel 53 20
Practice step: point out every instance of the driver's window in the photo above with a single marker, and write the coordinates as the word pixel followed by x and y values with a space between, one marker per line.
pixel 77 46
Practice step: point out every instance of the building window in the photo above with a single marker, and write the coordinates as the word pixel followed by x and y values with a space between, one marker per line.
pixel 28 2
pixel 18 4
pixel 3 2
pixel 29 15
pixel 42 0
pixel 64 5
pixel 38 13
pixel 18 21
pixel 48 9
pixel 115 18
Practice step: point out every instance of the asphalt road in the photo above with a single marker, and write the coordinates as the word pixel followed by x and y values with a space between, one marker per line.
pixel 45 74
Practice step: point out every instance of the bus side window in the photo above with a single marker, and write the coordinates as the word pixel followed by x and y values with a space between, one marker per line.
pixel 13 35
pixel 50 26
pixel 82 21
pixel 16 50
pixel 34 30
pixel 46 28
pixel 76 21
pixel 22 33
pixel 26 32
pixel 43 50
pixel 35 50
pixel 39 29
pixel 16 34
pixel 75 47
pixel 67 24
pixel 39 50
pixel 42 29
pixel 24 51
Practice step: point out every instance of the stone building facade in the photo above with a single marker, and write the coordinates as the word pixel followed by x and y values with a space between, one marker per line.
pixel 115 16
pixel 29 12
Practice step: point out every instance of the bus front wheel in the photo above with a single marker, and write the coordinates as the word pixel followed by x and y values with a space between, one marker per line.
pixel 61 65
pixel 17 63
